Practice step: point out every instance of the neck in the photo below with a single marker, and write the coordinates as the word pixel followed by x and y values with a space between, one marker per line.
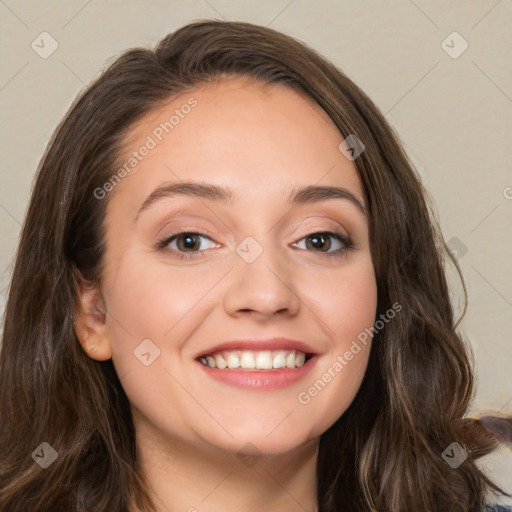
pixel 198 477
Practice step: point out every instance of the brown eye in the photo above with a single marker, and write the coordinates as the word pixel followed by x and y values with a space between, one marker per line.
pixel 321 242
pixel 187 244
pixel 187 241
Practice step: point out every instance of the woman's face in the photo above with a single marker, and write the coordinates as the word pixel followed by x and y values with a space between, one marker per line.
pixel 248 267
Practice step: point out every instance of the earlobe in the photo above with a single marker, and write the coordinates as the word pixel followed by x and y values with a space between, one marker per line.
pixel 90 321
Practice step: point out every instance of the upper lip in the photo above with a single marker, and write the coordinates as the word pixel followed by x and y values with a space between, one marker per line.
pixel 261 344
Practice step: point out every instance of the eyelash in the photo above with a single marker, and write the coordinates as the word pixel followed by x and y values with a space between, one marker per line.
pixel 345 240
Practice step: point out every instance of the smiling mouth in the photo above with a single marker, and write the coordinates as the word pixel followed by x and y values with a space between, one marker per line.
pixel 255 359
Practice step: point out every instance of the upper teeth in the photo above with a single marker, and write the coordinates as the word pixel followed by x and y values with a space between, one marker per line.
pixel 259 360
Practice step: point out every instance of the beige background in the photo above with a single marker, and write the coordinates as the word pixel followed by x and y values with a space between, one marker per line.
pixel 454 116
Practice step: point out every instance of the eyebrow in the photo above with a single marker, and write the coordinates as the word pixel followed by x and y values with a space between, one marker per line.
pixel 304 195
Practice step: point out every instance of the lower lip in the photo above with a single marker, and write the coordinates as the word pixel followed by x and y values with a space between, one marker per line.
pixel 260 379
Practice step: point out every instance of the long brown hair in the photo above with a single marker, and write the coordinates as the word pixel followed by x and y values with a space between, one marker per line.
pixel 383 453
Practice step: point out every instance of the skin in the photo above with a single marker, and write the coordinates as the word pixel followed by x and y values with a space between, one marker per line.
pixel 192 431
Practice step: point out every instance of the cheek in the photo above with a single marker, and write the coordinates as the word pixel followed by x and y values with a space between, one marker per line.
pixel 148 300
pixel 154 309
pixel 162 303
pixel 347 305
pixel 345 300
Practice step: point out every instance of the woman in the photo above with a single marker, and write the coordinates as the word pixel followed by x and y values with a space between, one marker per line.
pixel 177 338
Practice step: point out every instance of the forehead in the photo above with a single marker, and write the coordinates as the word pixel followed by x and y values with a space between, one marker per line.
pixel 241 133
pixel 231 101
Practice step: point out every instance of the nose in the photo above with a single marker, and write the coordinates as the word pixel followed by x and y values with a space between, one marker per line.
pixel 265 288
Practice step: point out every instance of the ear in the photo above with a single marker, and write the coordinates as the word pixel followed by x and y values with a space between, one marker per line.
pixel 90 320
